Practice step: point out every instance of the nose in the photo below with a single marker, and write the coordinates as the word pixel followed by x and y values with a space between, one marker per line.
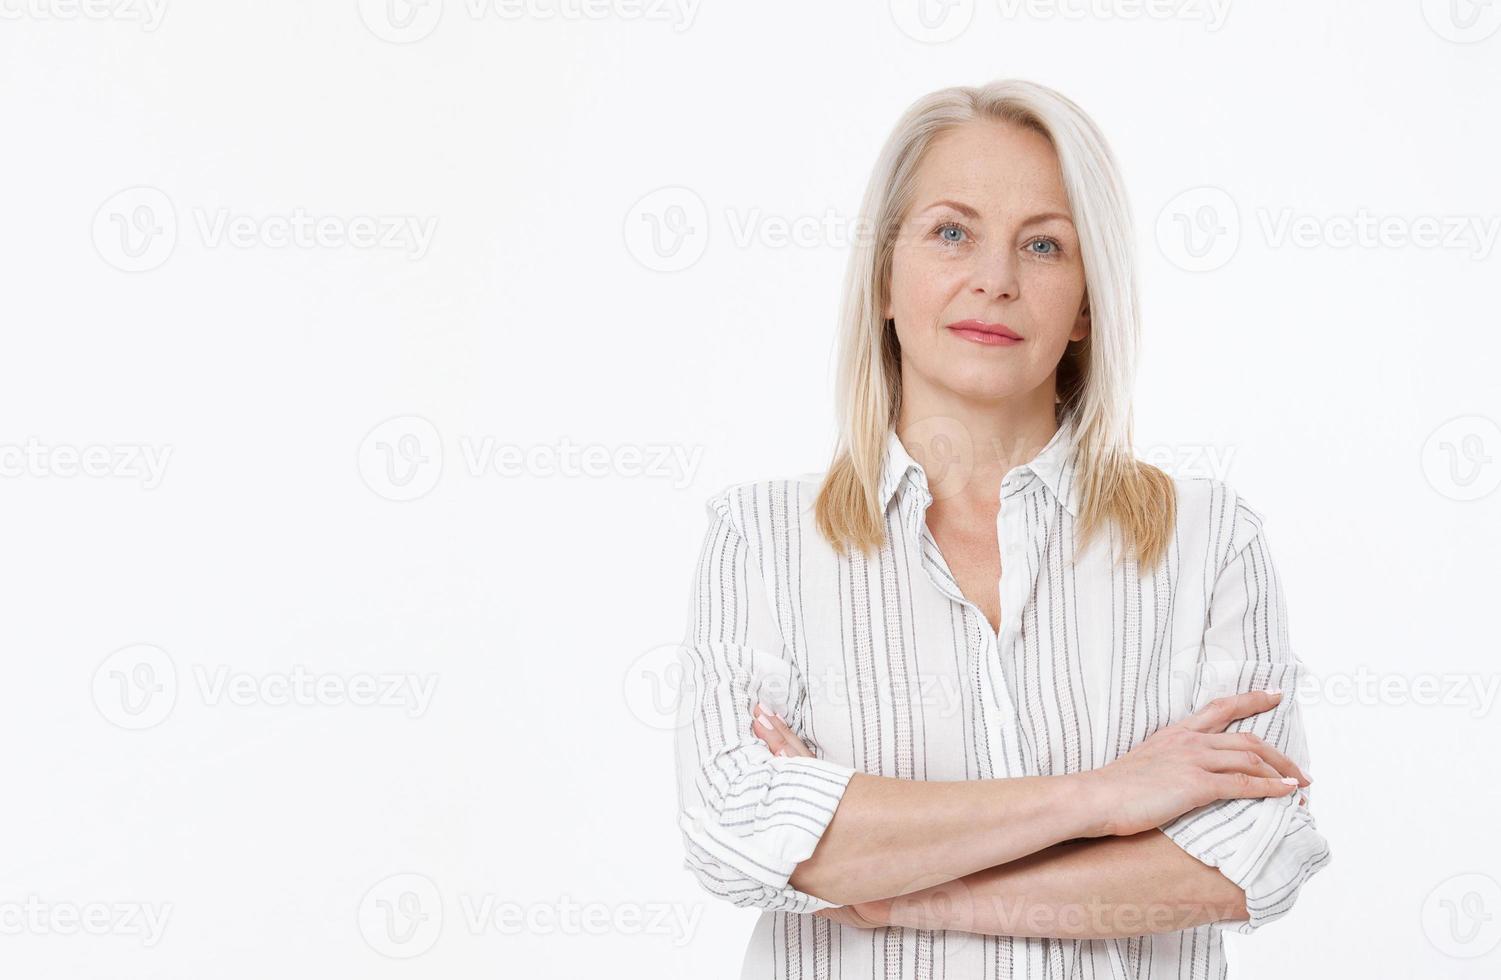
pixel 995 273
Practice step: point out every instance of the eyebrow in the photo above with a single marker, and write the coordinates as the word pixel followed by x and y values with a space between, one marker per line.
pixel 970 212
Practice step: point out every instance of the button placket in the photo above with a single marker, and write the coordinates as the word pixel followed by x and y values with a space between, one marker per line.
pixel 998 713
pixel 1012 586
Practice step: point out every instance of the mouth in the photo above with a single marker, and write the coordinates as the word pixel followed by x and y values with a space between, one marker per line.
pixel 991 334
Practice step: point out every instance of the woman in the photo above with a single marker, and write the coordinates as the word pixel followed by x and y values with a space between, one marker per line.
pixel 992 697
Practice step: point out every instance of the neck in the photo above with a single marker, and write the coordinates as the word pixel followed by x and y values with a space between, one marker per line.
pixel 967 447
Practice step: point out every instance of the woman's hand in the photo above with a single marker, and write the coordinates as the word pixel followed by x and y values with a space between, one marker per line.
pixel 772 729
pixel 853 915
pixel 1193 762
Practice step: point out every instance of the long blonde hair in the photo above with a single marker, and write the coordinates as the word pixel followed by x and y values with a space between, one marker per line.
pixel 1094 381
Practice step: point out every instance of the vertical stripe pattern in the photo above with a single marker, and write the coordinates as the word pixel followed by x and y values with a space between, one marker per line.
pixel 883 666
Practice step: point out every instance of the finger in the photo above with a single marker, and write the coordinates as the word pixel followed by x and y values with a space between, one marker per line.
pixel 1219 713
pixel 1239 760
pixel 1239 786
pixel 764 725
pixel 791 744
pixel 1273 755
pixel 762 729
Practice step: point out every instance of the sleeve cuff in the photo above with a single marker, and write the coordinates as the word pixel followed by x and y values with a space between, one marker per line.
pixel 1286 850
pixel 1279 850
pixel 748 857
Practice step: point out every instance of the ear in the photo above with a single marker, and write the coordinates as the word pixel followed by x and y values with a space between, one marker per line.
pixel 1081 323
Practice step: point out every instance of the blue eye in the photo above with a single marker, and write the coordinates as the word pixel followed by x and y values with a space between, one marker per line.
pixel 950 226
pixel 1046 241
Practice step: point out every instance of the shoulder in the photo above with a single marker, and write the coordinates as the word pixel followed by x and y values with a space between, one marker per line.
pixel 1214 510
pixel 752 507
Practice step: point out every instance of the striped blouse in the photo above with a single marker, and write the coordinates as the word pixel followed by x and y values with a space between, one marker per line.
pixel 881 665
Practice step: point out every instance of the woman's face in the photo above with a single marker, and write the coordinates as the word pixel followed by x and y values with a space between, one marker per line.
pixel 988 239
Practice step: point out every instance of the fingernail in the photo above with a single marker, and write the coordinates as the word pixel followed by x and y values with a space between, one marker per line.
pixel 1289 780
pixel 1275 691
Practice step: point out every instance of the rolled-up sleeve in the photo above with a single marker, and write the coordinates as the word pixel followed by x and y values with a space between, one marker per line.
pixel 747 817
pixel 1271 846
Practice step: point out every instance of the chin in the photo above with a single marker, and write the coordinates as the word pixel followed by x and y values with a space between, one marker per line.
pixel 988 386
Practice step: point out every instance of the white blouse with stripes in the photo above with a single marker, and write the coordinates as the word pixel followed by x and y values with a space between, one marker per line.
pixel 881 665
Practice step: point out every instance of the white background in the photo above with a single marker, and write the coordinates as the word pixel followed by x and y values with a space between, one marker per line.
pixel 1318 375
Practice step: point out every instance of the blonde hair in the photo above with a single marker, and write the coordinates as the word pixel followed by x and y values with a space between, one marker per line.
pixel 1094 381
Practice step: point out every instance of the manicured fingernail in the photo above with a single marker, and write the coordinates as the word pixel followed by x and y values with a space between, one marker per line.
pixel 1289 780
pixel 1275 692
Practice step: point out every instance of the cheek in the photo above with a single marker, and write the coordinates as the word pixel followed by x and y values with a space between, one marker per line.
pixel 1056 287
pixel 921 283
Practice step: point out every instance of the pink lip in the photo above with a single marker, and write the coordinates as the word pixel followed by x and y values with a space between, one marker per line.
pixel 996 334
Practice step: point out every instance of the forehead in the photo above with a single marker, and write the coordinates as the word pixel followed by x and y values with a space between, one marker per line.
pixel 991 165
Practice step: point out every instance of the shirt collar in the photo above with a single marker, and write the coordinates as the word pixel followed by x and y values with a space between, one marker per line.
pixel 1055 466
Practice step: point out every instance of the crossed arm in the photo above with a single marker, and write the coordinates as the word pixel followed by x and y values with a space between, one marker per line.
pixel 1087 887
pixel 1099 888
pixel 1018 856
